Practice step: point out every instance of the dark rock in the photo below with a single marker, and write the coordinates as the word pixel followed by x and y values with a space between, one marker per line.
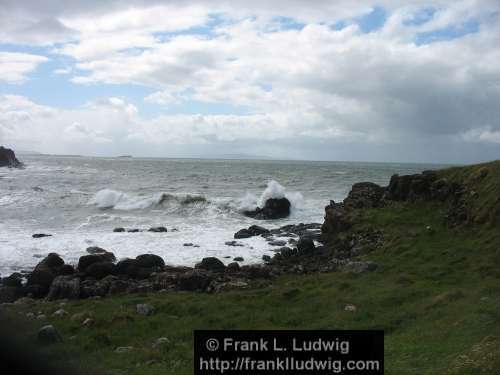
pixel 337 220
pixel 257 230
pixel 364 195
pixel 211 264
pixel 8 158
pixel 273 209
pixel 41 278
pixel 96 250
pixel 150 261
pixel 305 246
pixel 66 269
pixel 64 287
pixel 243 233
pixel 158 229
pixel 119 230
pixel 127 267
pixel 100 270
pixel 195 280
pixel 48 335
pixel 134 230
pixel 41 235
pixel 233 243
pixel 266 258
pixel 238 259
pixel 86 260
pixel 9 294
pixel 277 243
pixel 233 267
pixel 14 280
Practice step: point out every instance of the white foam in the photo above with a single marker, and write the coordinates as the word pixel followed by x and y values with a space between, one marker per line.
pixel 273 190
pixel 119 200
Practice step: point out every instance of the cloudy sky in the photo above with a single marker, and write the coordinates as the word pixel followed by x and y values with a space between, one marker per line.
pixel 385 80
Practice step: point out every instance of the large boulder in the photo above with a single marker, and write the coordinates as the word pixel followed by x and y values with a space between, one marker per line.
pixel 253 230
pixel 8 158
pixel 305 246
pixel 411 187
pixel 87 260
pixel 100 270
pixel 10 293
pixel 211 264
pixel 45 272
pixel 64 287
pixel 274 208
pixel 150 261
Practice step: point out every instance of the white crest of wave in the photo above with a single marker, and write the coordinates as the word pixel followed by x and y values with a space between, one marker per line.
pixel 273 190
pixel 118 200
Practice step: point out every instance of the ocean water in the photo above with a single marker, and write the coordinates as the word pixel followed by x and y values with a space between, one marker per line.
pixel 79 200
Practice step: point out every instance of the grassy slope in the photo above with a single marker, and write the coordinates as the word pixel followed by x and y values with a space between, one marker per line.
pixel 436 295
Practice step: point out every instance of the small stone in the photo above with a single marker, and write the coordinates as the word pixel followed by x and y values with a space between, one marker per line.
pixel 119 230
pixel 41 235
pixel 238 259
pixel 158 230
pixel 188 244
pixel 145 309
pixel 60 313
pixel 30 315
pixel 41 317
pixel 350 308
pixel 160 342
pixel 123 349
pixel 266 258
pixel 87 322
pixel 48 335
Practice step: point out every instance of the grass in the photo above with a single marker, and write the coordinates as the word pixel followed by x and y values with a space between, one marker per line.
pixel 436 294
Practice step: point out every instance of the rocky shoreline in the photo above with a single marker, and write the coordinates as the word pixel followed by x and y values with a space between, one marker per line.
pixel 302 248
pixel 8 158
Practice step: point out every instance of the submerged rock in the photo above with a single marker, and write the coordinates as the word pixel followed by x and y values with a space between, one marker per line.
pixel 41 235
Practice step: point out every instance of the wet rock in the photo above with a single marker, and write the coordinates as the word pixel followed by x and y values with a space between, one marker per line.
pixel 239 259
pixel 48 335
pixel 257 230
pixel 242 233
pixel 41 235
pixel 119 230
pixel 211 264
pixel 150 261
pixel 273 209
pixel 64 287
pixel 96 250
pixel 8 158
pixel 158 230
pixel 305 246
pixel 45 272
pixel 277 243
pixel 100 270
pixel 266 258
pixel 133 230
pixel 87 260
pixel 233 243
pixel 144 309
pixel 337 220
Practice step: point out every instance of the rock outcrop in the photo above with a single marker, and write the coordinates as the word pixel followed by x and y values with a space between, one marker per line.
pixel 274 208
pixel 8 158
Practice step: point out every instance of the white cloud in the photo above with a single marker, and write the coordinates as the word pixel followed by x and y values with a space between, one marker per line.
pixel 485 134
pixel 14 67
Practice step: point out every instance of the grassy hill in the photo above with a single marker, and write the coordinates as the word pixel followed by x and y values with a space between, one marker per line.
pixel 436 294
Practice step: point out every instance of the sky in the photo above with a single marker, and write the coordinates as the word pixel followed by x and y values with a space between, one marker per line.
pixel 387 80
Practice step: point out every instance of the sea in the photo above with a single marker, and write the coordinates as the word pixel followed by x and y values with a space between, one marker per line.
pixel 80 200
